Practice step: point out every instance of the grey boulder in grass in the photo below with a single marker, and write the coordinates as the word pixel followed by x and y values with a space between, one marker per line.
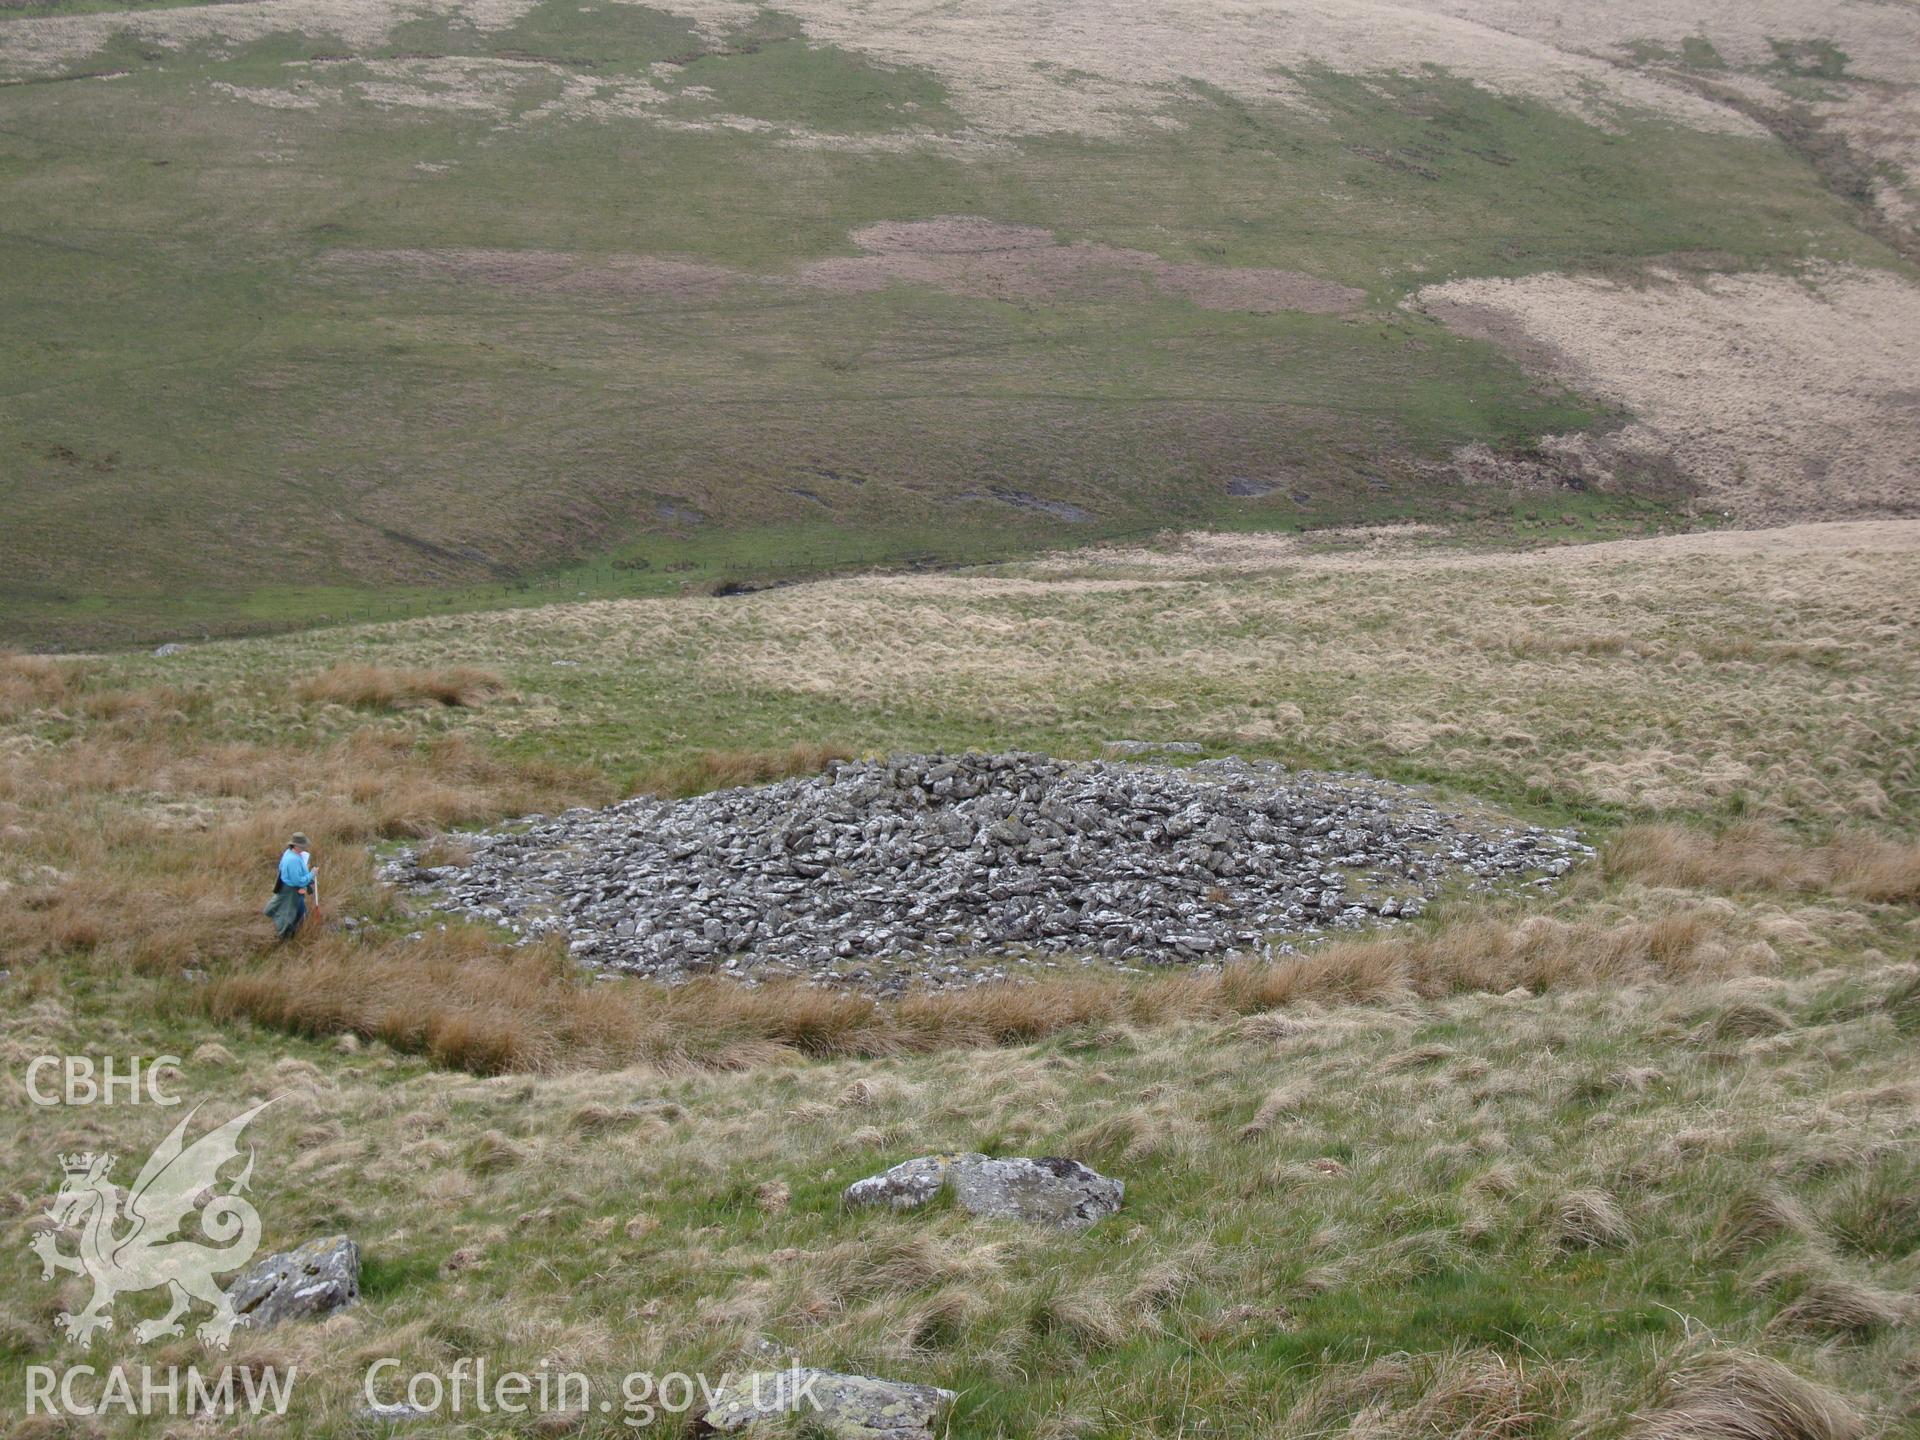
pixel 1044 1190
pixel 300 1284
pixel 849 1407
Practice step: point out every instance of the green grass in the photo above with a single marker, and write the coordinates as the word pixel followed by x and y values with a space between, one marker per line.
pixel 1418 1247
pixel 217 418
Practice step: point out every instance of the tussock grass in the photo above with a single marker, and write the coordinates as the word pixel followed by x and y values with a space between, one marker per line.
pixel 1716 1394
pixel 1744 1020
pixel 1818 1298
pixel 1281 1102
pixel 35 682
pixel 1903 1004
pixel 1469 1393
pixel 1757 856
pixel 1587 1219
pixel 725 769
pixel 118 873
pixel 1874 1209
pixel 381 687
pixel 1757 1218
pixel 1394 1206
pixel 468 1001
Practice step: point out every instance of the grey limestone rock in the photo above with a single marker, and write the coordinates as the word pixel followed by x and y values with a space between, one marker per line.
pixel 300 1284
pixel 1046 1190
pixel 849 1407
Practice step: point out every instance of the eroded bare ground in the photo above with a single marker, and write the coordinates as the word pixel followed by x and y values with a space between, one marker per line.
pixel 1785 398
pixel 967 255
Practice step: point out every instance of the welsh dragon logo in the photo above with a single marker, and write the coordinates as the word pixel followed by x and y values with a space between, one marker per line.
pixel 129 1238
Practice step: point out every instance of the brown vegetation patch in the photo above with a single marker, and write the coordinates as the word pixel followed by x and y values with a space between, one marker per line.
pixel 1736 1395
pixel 118 878
pixel 1784 397
pixel 1587 1219
pixel 35 682
pixel 470 1001
pixel 1754 856
pixel 724 769
pixel 1469 1394
pixel 1499 327
pixel 1755 1219
pixel 950 235
pixel 378 687
pixel 974 256
pixel 1819 1300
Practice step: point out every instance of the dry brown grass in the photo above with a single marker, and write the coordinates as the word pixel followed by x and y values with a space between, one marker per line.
pixel 724 769
pixel 975 256
pixel 106 870
pixel 1587 1219
pixel 34 682
pixel 1713 1394
pixel 381 687
pixel 1754 856
pixel 1467 1394
pixel 1755 1219
pixel 113 872
pixel 440 850
pixel 470 1002
pixel 1819 1300
pixel 1828 438
pixel 1804 731
pixel 117 881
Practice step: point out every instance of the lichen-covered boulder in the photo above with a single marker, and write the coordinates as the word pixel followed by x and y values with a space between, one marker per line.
pixel 907 1186
pixel 1045 1190
pixel 300 1284
pixel 849 1407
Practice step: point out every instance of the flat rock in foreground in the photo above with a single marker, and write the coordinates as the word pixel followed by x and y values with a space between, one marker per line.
pixel 1045 1191
pixel 849 1407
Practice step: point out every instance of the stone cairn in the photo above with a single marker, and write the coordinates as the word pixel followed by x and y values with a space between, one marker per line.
pixel 935 868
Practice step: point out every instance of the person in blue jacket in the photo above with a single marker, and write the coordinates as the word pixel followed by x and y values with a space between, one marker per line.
pixel 295 881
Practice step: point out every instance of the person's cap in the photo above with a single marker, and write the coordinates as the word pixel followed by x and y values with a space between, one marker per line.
pixel 299 839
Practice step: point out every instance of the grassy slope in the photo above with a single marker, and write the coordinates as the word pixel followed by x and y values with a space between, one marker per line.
pixel 1548 1202
pixel 1721 675
pixel 215 418
pixel 1542 1193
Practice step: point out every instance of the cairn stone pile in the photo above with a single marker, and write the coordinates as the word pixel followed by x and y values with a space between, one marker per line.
pixel 914 862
